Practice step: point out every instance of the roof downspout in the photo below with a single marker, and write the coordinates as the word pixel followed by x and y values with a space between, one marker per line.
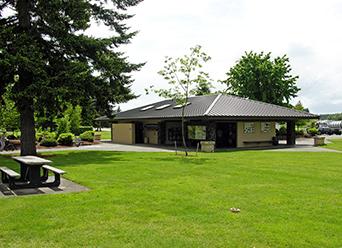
pixel 212 104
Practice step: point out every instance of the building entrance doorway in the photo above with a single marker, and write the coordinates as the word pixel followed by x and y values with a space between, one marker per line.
pixel 139 133
pixel 225 135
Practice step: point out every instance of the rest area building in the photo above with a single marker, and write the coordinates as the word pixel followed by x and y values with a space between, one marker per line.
pixel 228 120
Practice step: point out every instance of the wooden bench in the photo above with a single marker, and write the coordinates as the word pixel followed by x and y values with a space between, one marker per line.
pixel 258 142
pixel 8 176
pixel 55 171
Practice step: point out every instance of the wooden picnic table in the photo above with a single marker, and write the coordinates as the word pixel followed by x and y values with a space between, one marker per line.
pixel 30 172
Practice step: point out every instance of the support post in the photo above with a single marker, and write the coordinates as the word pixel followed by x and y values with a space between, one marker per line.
pixel 291 133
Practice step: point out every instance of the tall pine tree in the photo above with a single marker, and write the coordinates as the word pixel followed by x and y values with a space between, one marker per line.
pixel 47 58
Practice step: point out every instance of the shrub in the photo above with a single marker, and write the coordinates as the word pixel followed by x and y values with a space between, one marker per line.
pixel 299 132
pixel 49 142
pixel 282 131
pixel 66 139
pixel 312 131
pixel 47 138
pixel 39 136
pixel 63 125
pixel 75 119
pixel 12 137
pixel 338 132
pixel 83 129
pixel 87 136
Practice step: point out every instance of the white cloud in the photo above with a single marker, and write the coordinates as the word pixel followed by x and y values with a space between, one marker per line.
pixel 307 30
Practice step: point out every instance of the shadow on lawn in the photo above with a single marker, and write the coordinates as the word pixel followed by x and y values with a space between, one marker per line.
pixel 73 158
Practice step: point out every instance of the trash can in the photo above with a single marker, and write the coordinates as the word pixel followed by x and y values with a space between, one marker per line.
pixel 207 146
pixel 319 141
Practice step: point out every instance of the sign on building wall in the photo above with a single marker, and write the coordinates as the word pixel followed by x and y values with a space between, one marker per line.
pixel 197 132
pixel 266 127
pixel 249 127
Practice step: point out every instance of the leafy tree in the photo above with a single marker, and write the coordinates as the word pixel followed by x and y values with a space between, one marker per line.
pixel 63 125
pixel 185 78
pixel 259 77
pixel 45 46
pixel 203 88
pixel 301 123
pixel 9 116
pixel 335 117
pixel 74 116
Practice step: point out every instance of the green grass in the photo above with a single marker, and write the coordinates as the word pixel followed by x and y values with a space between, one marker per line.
pixel 105 135
pixel 163 200
pixel 336 144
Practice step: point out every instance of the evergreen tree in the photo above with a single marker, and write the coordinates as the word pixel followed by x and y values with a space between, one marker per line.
pixel 49 59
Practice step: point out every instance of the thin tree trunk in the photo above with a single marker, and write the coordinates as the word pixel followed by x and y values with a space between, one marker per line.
pixel 27 128
pixel 25 103
pixel 183 132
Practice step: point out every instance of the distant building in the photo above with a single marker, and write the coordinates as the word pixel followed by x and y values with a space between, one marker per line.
pixel 228 120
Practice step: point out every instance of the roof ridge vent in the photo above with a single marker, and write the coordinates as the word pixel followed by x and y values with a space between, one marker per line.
pixel 146 108
pixel 212 104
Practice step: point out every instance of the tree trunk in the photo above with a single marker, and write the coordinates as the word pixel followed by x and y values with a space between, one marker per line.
pixel 27 128
pixel 183 132
pixel 25 103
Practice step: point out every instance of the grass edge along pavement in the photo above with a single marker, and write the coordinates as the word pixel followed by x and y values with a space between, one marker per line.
pixel 163 200
pixel 335 144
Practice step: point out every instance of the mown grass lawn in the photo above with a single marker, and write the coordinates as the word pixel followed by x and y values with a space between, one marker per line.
pixel 163 200
pixel 105 135
pixel 336 144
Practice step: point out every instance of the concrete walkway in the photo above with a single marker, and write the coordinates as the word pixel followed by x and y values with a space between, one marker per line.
pixel 105 146
pixel 305 145
pixel 302 145
pixel 66 186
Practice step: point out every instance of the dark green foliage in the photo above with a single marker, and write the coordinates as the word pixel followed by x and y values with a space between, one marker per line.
pixel 83 129
pixel 49 142
pixel 49 59
pixel 63 125
pixel 300 132
pixel 301 123
pixel 259 77
pixel 75 119
pixel 313 131
pixel 66 139
pixel 71 120
pixel 88 136
pixel 48 139
pixel 282 131
pixel 12 137
pixel 333 117
pixel 9 116
pixel 45 135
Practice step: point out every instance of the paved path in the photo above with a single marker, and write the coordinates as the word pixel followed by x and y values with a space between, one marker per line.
pixel 66 186
pixel 106 146
pixel 303 145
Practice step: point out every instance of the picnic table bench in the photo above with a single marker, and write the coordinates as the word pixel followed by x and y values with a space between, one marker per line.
pixel 57 173
pixel 8 176
pixel 30 173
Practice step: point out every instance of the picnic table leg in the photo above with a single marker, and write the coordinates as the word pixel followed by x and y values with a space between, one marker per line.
pixel 57 181
pixel 45 175
pixel 34 176
pixel 4 179
pixel 24 170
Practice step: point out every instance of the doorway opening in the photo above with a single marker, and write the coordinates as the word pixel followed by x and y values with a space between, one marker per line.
pixel 226 134
pixel 139 133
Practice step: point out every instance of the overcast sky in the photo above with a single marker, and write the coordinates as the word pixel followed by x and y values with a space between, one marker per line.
pixel 309 31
